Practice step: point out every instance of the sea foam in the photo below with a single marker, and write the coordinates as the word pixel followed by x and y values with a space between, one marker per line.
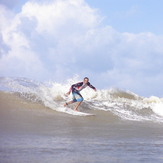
pixel 124 104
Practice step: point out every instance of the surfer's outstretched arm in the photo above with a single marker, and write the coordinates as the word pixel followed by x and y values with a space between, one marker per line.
pixel 69 91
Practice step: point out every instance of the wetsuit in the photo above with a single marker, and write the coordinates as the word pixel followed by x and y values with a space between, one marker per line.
pixel 76 88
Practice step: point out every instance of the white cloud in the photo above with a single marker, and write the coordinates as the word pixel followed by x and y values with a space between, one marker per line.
pixel 60 38
pixel 54 16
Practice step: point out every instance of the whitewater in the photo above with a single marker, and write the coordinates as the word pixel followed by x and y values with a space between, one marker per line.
pixel 35 127
pixel 125 105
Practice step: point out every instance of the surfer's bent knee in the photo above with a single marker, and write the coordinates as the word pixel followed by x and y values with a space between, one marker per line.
pixel 80 100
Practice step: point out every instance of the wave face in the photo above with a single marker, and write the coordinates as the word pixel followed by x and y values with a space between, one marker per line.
pixel 123 104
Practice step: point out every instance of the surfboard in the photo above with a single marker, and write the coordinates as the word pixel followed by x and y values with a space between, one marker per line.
pixel 73 112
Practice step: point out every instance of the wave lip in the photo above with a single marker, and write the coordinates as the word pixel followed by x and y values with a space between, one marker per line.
pixel 123 104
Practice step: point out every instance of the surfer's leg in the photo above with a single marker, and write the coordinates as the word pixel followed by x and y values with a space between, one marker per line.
pixel 73 100
pixel 79 101
pixel 78 104
pixel 77 97
pixel 67 103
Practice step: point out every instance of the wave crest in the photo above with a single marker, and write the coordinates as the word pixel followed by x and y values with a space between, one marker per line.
pixel 124 104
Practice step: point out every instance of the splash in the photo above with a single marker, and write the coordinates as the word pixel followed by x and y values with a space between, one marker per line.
pixel 124 104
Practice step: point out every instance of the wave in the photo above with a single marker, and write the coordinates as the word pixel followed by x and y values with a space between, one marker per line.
pixel 125 105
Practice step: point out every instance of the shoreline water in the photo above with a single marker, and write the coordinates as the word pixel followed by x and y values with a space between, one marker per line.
pixel 31 132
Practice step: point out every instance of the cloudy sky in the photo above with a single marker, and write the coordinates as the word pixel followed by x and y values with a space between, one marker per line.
pixel 117 43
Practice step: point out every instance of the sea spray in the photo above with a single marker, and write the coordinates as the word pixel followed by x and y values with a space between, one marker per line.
pixel 123 104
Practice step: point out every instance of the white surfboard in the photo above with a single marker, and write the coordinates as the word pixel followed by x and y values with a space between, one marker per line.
pixel 73 112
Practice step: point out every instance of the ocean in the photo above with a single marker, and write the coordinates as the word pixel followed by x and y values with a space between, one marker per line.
pixel 36 128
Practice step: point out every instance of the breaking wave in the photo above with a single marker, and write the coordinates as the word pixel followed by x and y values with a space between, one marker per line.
pixel 123 104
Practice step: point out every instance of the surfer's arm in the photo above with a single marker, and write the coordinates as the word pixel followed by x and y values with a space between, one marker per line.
pixel 74 86
pixel 91 86
pixel 69 91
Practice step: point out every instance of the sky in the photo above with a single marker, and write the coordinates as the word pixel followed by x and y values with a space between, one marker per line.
pixel 116 43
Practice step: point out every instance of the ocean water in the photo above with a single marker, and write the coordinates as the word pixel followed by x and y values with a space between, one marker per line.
pixel 34 126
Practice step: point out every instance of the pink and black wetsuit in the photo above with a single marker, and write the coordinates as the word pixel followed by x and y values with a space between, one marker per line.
pixel 76 88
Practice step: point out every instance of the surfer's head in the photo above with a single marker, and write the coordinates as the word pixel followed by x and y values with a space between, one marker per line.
pixel 86 80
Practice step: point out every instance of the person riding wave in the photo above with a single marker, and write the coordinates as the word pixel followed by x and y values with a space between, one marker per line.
pixel 75 89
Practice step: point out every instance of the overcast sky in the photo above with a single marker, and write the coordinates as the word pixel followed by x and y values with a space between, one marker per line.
pixel 117 43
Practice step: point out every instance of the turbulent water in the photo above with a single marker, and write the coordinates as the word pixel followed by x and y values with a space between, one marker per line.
pixel 123 104
pixel 35 127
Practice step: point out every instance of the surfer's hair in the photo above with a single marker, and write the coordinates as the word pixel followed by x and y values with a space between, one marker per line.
pixel 86 78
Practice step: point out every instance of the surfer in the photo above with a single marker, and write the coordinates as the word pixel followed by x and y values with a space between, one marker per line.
pixel 76 88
